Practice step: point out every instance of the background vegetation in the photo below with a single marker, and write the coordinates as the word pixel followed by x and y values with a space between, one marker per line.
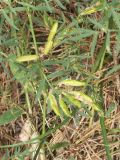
pixel 60 79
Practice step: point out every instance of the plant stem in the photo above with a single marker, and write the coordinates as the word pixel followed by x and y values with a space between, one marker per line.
pixel 44 114
pixel 32 30
pixel 28 101
pixel 104 135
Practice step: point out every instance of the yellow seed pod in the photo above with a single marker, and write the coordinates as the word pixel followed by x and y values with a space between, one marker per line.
pixel 48 47
pixel 92 9
pixel 64 107
pixel 72 83
pixel 82 97
pixel 54 104
pixel 27 58
pixel 53 31
pixel 72 100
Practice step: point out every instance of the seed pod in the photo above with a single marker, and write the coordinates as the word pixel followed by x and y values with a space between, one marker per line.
pixel 64 107
pixel 87 100
pixel 93 9
pixel 72 100
pixel 48 47
pixel 82 97
pixel 54 104
pixel 72 83
pixel 53 31
pixel 27 58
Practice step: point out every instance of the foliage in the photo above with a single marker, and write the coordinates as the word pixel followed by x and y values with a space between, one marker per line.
pixel 54 53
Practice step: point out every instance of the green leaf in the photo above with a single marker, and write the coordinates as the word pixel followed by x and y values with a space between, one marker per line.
pixel 57 74
pixel 100 58
pixel 10 115
pixel 48 6
pixel 60 4
pixel 27 5
pixel 117 130
pixel 39 90
pixel 116 18
pixel 105 140
pixel 8 19
pixel 93 44
pixel 110 109
pixel 48 21
pixel 98 25
pixel 114 69
pixel 21 73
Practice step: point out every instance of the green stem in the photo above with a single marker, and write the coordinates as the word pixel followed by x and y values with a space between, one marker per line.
pixel 44 114
pixel 28 101
pixel 103 127
pixel 32 30
pixel 14 34
pixel 104 135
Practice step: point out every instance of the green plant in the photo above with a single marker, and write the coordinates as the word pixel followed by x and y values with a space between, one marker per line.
pixel 54 52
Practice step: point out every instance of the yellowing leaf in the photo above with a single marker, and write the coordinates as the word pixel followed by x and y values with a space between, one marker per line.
pixel 82 97
pixel 54 104
pixel 64 107
pixel 72 83
pixel 48 47
pixel 53 31
pixel 27 58
pixel 72 100
pixel 86 99
pixel 92 9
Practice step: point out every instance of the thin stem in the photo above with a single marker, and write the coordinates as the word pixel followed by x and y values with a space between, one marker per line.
pixel 32 30
pixel 44 113
pixel 28 101
pixel 104 135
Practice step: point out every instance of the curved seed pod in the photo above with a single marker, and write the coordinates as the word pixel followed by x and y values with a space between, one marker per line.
pixel 53 31
pixel 27 58
pixel 64 107
pixel 92 9
pixel 82 97
pixel 87 100
pixel 54 104
pixel 72 99
pixel 48 47
pixel 72 83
